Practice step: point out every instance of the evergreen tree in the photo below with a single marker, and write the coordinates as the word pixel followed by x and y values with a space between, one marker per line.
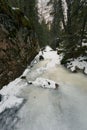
pixel 43 33
pixel 75 28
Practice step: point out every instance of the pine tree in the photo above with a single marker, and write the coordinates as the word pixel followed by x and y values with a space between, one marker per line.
pixel 74 29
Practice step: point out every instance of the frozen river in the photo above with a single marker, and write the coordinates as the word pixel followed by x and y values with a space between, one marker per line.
pixel 61 109
pixel 64 108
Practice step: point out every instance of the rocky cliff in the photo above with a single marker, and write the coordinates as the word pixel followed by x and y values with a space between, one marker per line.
pixel 18 43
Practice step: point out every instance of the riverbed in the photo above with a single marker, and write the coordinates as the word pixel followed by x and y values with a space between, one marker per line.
pixel 49 109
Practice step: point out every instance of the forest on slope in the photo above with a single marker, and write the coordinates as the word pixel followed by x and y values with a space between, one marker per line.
pixel 60 23
pixel 70 26
pixel 69 20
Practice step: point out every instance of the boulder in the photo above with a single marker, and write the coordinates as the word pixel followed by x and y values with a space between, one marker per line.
pixel 41 57
pixel 56 85
pixel 0 97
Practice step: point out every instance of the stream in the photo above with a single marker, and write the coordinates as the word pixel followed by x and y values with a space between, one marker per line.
pixel 47 109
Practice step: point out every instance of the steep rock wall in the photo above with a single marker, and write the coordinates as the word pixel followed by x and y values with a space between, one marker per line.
pixel 18 43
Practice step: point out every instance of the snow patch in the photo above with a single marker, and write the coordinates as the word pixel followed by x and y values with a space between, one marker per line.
pixel 79 63
pixel 48 48
pixel 45 83
pixel 15 8
pixel 73 69
pixel 26 72
pixel 48 54
pixel 10 102
pixel 64 5
pixel 13 88
pixel 84 44
pixel 9 93
pixel 52 56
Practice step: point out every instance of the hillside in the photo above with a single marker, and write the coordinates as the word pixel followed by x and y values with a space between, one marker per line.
pixel 18 44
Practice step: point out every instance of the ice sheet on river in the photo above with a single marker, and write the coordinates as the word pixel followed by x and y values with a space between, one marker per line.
pixel 11 91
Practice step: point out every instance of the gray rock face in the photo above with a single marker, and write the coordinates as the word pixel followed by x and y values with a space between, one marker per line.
pixel 18 46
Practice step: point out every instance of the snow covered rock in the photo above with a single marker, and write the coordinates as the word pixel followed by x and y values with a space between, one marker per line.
pixel 78 64
pixel 73 69
pixel 45 83
pixel 9 95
